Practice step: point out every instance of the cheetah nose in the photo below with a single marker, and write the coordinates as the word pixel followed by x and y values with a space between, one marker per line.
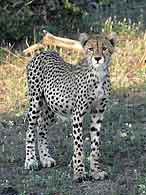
pixel 97 58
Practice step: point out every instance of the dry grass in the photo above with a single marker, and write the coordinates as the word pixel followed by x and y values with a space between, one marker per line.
pixel 129 64
pixel 12 82
pixel 127 71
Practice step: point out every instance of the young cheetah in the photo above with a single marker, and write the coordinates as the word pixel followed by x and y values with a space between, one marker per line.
pixel 58 87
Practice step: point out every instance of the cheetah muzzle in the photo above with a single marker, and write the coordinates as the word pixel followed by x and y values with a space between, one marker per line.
pixel 58 87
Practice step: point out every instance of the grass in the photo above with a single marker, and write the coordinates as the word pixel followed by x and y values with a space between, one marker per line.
pixel 127 71
pixel 123 136
pixel 123 154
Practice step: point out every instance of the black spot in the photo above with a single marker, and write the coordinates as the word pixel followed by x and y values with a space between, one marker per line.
pixel 103 105
pixel 86 105
pixel 82 108
pixel 30 109
pixel 42 134
pixel 31 123
pixel 80 124
pixel 74 118
pixel 37 98
pixel 101 110
pixel 78 118
pixel 91 75
pixel 46 112
pixel 40 103
pixel 29 135
pixel 79 145
pixel 30 147
pixel 76 142
pixel 93 129
pixel 74 132
pixel 98 133
pixel 75 125
pixel 33 117
pixel 103 99
pixel 99 121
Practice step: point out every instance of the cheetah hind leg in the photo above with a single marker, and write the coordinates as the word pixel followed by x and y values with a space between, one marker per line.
pixel 45 116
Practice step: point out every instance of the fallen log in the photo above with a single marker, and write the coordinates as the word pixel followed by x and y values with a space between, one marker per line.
pixel 49 41
pixel 31 50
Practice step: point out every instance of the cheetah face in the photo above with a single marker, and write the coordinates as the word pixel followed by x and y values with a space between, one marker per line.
pixel 98 48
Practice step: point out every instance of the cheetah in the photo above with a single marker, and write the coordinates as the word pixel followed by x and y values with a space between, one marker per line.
pixel 57 87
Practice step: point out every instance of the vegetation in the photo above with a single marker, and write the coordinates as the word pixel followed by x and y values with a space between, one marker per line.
pixel 20 19
pixel 127 71
pixel 123 140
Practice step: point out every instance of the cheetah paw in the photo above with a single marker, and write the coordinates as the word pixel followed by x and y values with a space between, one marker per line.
pixel 31 164
pixel 101 175
pixel 80 178
pixel 48 162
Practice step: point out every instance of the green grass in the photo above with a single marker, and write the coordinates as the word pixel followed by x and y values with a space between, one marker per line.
pixel 123 148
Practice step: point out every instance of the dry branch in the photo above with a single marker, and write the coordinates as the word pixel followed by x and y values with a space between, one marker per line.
pixel 49 40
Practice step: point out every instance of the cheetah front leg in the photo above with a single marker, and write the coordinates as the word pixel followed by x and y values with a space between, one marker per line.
pixel 78 156
pixel 45 119
pixel 96 171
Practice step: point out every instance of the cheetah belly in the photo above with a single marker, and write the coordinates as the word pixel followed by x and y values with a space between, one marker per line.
pixel 61 100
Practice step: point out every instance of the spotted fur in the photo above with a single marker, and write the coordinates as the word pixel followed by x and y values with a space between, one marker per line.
pixel 56 87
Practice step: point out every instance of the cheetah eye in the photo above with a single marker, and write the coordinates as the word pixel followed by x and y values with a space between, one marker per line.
pixel 90 49
pixel 104 48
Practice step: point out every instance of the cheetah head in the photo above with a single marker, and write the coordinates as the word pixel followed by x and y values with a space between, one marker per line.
pixel 98 48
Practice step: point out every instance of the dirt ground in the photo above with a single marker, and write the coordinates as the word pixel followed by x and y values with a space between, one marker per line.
pixel 124 155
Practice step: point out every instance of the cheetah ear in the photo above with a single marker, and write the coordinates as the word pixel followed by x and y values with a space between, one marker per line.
pixel 83 38
pixel 113 38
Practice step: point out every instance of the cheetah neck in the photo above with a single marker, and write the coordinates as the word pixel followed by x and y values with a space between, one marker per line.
pixel 100 70
pixel 101 73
